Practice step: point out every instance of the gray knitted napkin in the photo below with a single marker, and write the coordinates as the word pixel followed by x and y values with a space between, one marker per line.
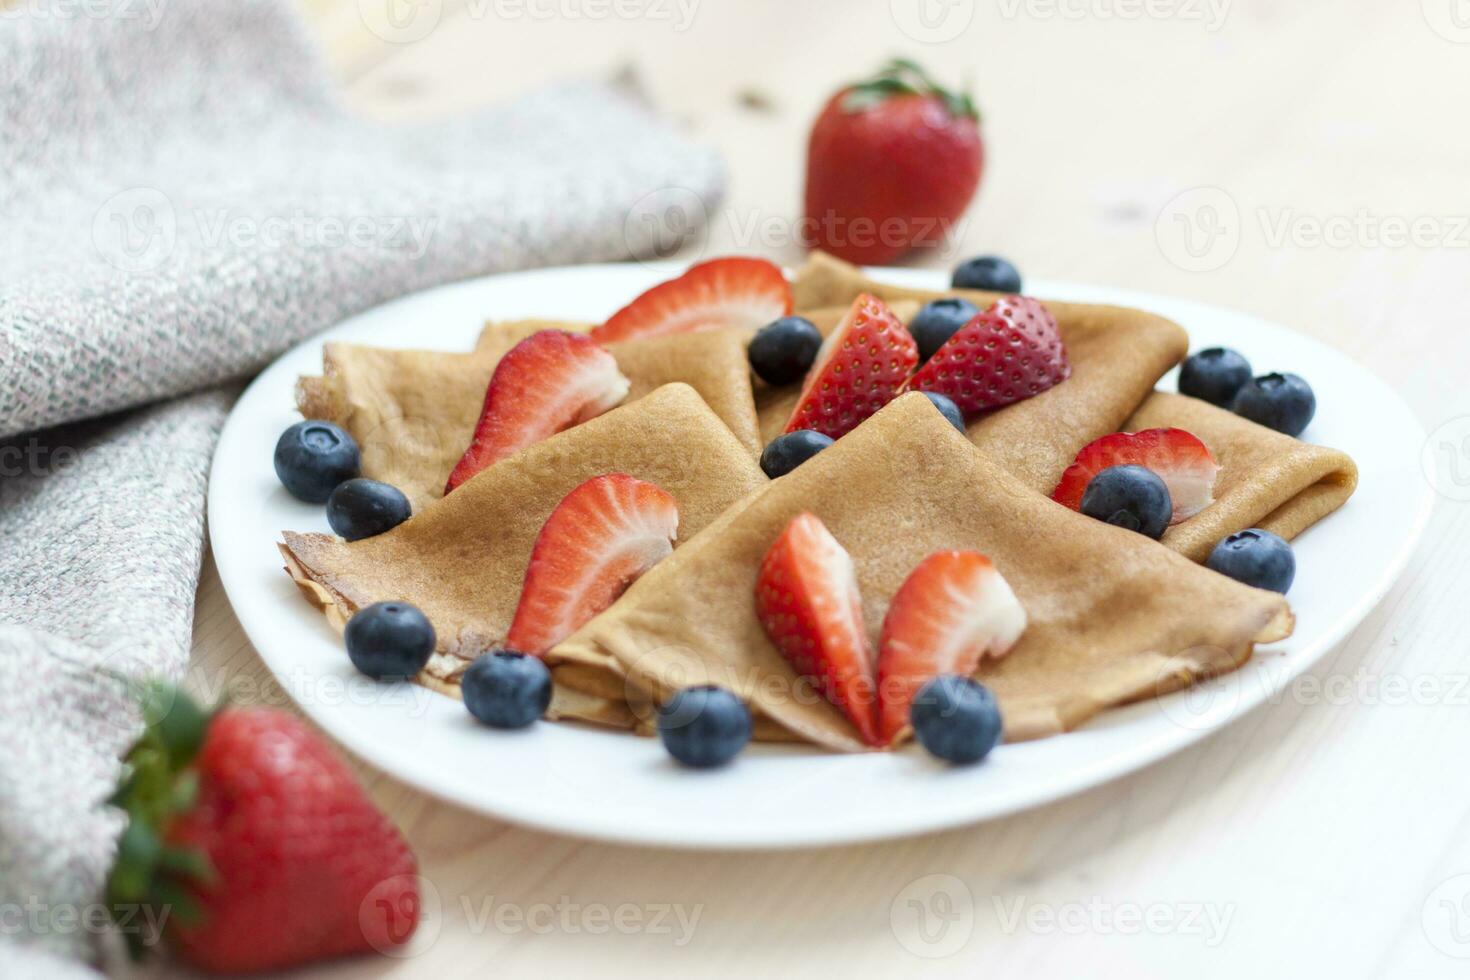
pixel 181 198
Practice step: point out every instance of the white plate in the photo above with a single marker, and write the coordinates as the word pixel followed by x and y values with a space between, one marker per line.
pixel 580 780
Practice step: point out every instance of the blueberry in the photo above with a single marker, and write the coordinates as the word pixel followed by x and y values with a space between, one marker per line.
pixel 362 508
pixel 312 457
pixel 783 351
pixel 1257 558
pixel 1215 375
pixel 703 727
pixel 785 453
pixel 1283 402
pixel 956 719
pixel 506 689
pixel 389 639
pixel 938 321
pixel 1130 497
pixel 990 273
pixel 948 409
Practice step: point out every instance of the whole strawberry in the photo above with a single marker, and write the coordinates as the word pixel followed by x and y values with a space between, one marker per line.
pixel 893 162
pixel 256 839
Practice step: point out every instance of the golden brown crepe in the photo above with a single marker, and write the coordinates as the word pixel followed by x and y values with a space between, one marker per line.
pixel 1267 480
pixel 1117 356
pixel 462 559
pixel 1113 617
pixel 414 412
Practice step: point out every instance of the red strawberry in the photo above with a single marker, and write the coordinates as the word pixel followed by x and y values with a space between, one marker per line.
pixel 953 610
pixel 861 366
pixel 260 840
pixel 1178 457
pixel 807 600
pixel 892 164
pixel 602 536
pixel 733 292
pixel 1008 353
pixel 548 382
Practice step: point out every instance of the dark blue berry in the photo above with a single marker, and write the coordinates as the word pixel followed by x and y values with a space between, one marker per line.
pixel 1283 402
pixel 506 689
pixel 703 727
pixel 948 409
pixel 1257 558
pixel 956 719
pixel 938 321
pixel 1131 497
pixel 990 273
pixel 389 639
pixel 783 351
pixel 785 453
pixel 362 508
pixel 312 457
pixel 1215 375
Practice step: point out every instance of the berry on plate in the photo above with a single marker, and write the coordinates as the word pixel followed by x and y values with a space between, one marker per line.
pixel 1257 558
pixel 506 689
pixel 952 611
pixel 1010 352
pixel 957 719
pixel 548 382
pixel 947 408
pixel 938 321
pixel 861 367
pixel 806 597
pixel 732 292
pixel 1181 460
pixel 782 351
pixel 1215 375
pixel 991 273
pixel 389 640
pixel 599 539
pixel 1283 402
pixel 313 457
pixel 786 452
pixel 892 163
pixel 1129 497
pixel 703 727
pixel 361 508
pixel 256 837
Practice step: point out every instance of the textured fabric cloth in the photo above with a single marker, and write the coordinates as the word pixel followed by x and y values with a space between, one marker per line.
pixel 182 197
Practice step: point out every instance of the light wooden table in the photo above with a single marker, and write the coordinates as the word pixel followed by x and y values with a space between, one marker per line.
pixel 1320 835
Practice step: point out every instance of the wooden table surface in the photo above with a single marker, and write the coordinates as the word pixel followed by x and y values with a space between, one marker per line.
pixel 1316 155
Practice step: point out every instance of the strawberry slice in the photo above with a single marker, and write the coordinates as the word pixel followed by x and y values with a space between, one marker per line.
pixel 548 382
pixel 953 610
pixel 861 366
pixel 806 598
pixel 1008 353
pixel 1180 459
pixel 601 537
pixel 731 292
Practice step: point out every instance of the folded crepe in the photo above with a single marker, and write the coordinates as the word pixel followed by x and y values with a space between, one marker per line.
pixel 414 412
pixel 1267 479
pixel 1112 617
pixel 1117 356
pixel 462 559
